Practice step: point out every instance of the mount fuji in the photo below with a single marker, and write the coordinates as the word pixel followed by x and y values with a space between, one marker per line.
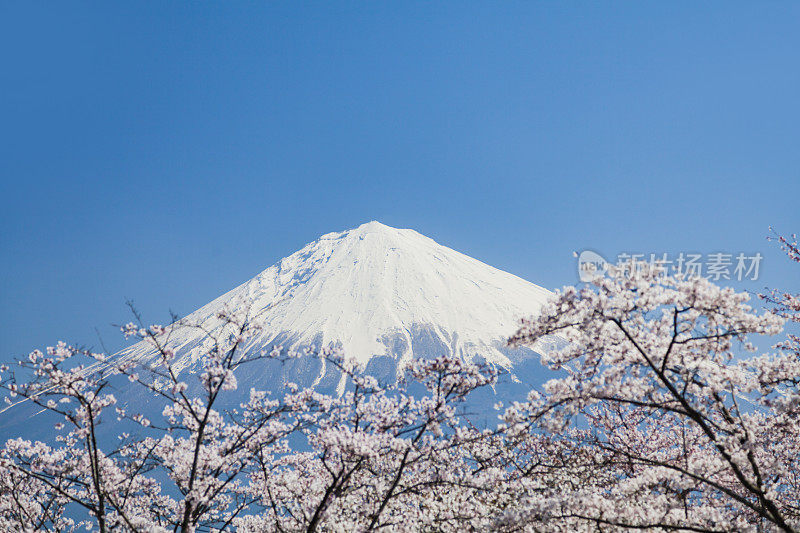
pixel 380 295
pixel 383 296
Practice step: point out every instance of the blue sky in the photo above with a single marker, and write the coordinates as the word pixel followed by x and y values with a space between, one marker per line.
pixel 168 151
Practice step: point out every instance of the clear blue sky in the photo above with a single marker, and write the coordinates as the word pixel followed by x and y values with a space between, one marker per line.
pixel 168 151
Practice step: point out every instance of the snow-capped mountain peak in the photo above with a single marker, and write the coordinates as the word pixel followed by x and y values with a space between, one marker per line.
pixel 377 292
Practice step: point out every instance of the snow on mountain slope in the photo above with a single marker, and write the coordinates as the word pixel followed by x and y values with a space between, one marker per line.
pixel 380 294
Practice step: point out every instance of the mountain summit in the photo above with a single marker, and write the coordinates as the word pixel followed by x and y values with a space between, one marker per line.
pixel 382 295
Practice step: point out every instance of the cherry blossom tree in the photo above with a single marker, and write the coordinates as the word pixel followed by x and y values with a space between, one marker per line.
pixel 179 473
pixel 372 458
pixel 679 429
pixel 786 304
pixel 381 459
